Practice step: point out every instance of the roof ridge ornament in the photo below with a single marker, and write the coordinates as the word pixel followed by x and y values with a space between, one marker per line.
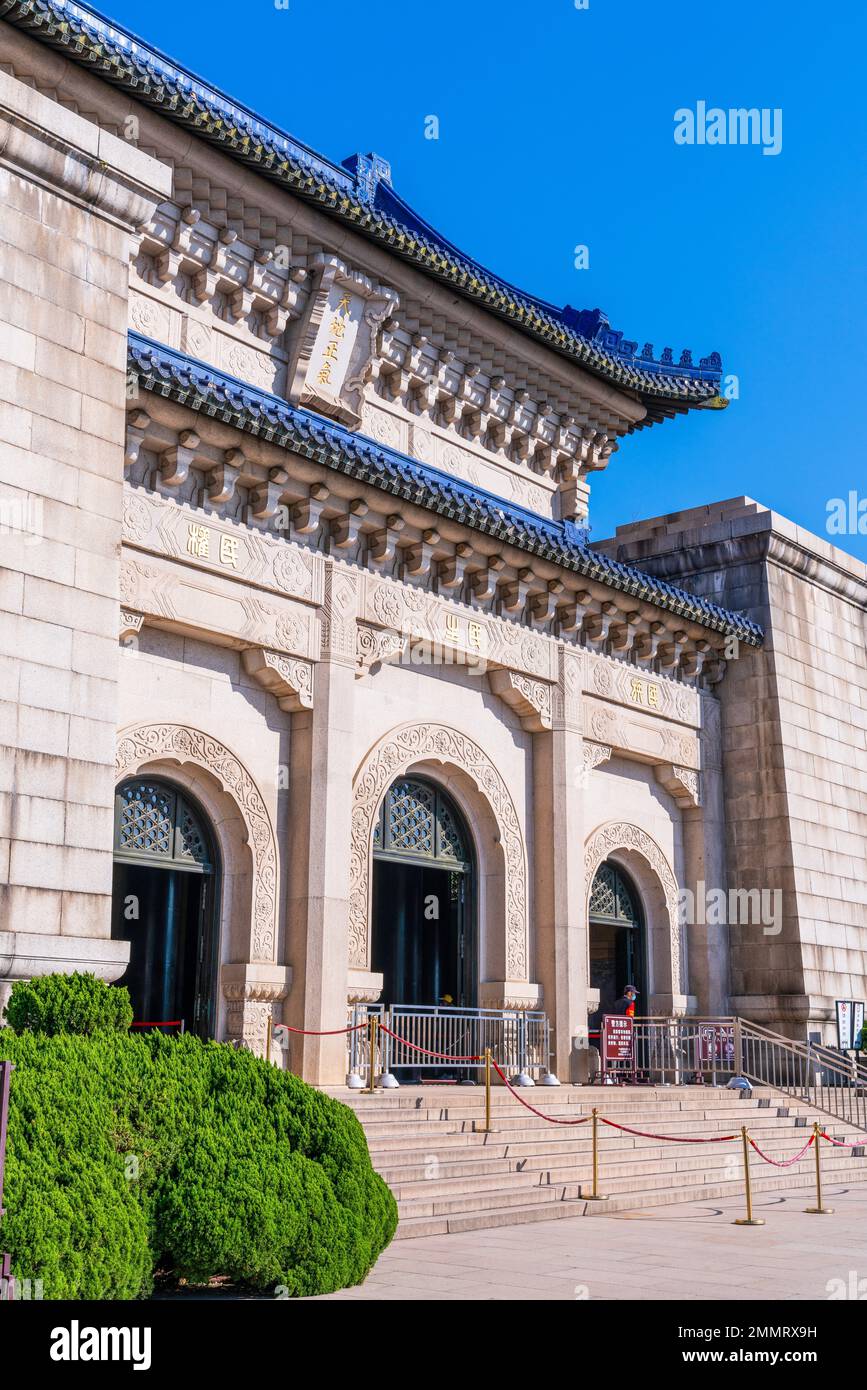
pixel 369 170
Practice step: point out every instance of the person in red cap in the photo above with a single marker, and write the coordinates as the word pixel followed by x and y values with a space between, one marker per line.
pixel 626 1003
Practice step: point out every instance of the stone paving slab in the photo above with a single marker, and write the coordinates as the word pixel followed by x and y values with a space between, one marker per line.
pixel 683 1253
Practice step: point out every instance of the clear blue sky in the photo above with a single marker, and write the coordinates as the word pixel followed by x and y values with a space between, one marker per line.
pixel 556 129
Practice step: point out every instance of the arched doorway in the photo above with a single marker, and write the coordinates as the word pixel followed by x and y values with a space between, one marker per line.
pixel 164 899
pixel 424 914
pixel 617 938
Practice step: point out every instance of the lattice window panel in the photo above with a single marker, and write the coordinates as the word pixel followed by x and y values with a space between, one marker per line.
pixel 153 821
pixel 610 896
pixel 418 820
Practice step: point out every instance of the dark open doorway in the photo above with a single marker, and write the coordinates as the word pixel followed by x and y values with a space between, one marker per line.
pixel 164 904
pixel 424 919
pixel 617 939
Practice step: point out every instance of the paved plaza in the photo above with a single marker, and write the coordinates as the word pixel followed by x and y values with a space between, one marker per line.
pixel 676 1253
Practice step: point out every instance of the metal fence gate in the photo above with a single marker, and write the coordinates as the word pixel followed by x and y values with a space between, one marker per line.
pixel 433 1039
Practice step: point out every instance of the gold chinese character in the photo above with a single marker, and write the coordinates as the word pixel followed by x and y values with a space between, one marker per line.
pixel 653 696
pixel 324 377
pixel 338 327
pixel 229 551
pixel 198 541
pixel 474 634
pixel 452 627
pixel 635 691
pixel 331 351
pixel 343 306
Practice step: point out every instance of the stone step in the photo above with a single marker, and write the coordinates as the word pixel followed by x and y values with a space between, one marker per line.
pixel 423 1136
pixel 483 1173
pixel 664 1157
pixel 398 1123
pixel 480 1191
pixel 446 1223
pixel 447 1174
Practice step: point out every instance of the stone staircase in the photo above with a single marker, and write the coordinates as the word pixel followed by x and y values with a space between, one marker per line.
pixel 448 1175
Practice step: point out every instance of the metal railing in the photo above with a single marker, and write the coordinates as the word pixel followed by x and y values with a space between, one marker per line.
pixel 675 1051
pixel 519 1039
pixel 826 1079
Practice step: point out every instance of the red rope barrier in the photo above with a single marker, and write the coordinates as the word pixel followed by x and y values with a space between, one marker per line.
pixel 321 1033
pixel 841 1143
pixel 427 1052
pixel 670 1138
pixel 781 1163
pixel 550 1118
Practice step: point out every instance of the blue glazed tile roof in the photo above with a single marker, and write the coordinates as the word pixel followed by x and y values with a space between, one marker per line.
pixel 360 194
pixel 195 384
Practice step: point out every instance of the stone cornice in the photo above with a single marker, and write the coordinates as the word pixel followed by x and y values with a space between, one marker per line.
pixel 192 384
pixel 63 151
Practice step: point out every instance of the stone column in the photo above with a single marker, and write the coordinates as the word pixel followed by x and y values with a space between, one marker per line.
pixel 320 789
pixel 558 837
pixel 707 943
pixel 70 195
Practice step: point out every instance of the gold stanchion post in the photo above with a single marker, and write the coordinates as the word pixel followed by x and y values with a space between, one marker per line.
pixel 749 1219
pixel 595 1195
pixel 371 1071
pixel 488 1129
pixel 818 1209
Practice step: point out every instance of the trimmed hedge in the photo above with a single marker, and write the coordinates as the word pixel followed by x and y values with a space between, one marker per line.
pixel 132 1155
pixel 68 1004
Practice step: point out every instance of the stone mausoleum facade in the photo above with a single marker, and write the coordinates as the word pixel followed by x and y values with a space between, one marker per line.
pixel 314 690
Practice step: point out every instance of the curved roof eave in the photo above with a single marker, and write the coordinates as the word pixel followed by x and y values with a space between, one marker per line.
pixel 173 374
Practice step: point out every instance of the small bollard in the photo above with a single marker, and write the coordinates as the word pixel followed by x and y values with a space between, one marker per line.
pixel 749 1219
pixel 595 1195
pixel 818 1209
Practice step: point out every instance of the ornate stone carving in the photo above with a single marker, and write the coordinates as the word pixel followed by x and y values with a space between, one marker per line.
pixel 398 750
pixel 509 994
pixel 681 782
pixel 335 351
pixel 594 754
pixel 374 646
pixel 130 624
pixel 252 992
pixel 363 987
pixel 618 835
pixel 339 614
pixel 711 734
pixel 531 699
pixel 146 743
pixel 289 678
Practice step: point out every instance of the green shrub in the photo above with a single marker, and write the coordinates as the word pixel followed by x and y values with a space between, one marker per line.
pixel 68 1004
pixel 129 1155
pixel 72 1219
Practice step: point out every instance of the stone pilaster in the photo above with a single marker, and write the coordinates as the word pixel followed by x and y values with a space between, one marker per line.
pixel 707 944
pixel 561 927
pixel 320 789
pixel 70 196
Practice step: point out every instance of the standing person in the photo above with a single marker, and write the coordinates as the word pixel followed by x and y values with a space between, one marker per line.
pixel 626 1003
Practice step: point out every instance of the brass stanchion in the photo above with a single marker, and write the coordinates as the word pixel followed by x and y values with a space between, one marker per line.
pixel 595 1195
pixel 487 1129
pixel 268 1036
pixel 749 1219
pixel 371 1071
pixel 818 1209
